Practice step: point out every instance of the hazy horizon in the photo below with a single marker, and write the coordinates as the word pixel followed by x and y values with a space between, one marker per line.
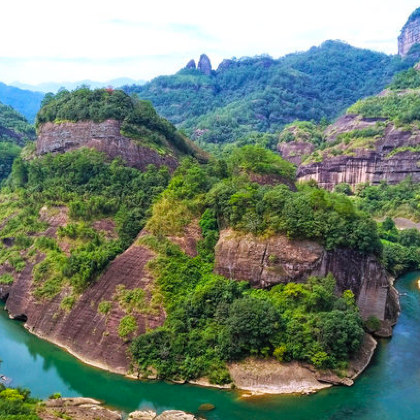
pixel 101 42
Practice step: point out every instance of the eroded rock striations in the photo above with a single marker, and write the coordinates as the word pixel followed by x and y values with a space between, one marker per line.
pixel 104 136
pixel 410 34
pixel 85 331
pixel 265 262
pixel 373 163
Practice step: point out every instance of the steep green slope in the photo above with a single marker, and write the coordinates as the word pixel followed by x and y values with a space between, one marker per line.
pixel 263 94
pixel 15 131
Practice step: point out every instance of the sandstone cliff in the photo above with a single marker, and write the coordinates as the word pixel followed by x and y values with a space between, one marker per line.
pixel 265 262
pixel 389 156
pixel 104 136
pixel 85 330
pixel 410 34
pixel 204 65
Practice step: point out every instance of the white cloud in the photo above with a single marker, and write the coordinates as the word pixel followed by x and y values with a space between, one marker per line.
pixel 58 40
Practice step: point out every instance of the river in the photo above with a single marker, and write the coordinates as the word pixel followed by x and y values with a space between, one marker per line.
pixel 388 390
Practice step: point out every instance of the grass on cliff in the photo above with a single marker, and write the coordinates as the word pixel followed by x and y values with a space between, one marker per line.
pixel 212 320
pixel 92 189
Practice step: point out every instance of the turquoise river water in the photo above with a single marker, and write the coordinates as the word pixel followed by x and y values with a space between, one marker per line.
pixel 388 390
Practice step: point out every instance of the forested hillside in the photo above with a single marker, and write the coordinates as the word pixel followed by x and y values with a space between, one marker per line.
pixel 263 94
pixel 15 132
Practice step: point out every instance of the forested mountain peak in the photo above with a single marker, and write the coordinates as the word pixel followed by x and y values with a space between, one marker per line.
pixel 263 94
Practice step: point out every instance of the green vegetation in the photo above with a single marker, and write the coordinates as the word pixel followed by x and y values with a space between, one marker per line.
pixel 16 404
pixel 139 119
pixel 262 94
pixel 15 131
pixel 408 79
pixel 401 109
pixel 104 307
pixel 304 131
pixel 127 326
pixel 401 249
pixel 212 320
pixel 258 160
pixel 91 188
pixel 6 279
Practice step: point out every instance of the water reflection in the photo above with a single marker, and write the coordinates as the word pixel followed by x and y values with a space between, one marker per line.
pixel 389 390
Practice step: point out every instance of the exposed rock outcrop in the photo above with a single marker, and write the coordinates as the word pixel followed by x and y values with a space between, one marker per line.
pixel 372 163
pixel 265 262
pixel 104 136
pixel 272 377
pixel 166 415
pixel 204 65
pixel 76 409
pixel 191 64
pixel 410 34
pixel 294 151
pixel 90 409
pixel 84 331
pixel 268 376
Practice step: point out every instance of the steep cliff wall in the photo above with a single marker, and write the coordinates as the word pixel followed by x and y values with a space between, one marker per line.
pixel 371 162
pixel 265 262
pixel 410 34
pixel 85 331
pixel 105 137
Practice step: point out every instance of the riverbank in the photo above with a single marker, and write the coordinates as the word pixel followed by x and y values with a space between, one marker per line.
pixel 45 369
pixel 91 409
pixel 263 376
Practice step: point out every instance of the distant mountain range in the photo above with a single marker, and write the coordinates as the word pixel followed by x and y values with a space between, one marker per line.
pixel 26 102
pixel 55 86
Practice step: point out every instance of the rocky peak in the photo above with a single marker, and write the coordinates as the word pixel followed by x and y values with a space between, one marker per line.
pixel 204 65
pixel 191 64
pixel 410 34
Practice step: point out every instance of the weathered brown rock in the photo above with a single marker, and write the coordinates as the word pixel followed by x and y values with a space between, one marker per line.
pixel 166 415
pixel 76 409
pixel 191 64
pixel 189 240
pixel 371 165
pixel 84 331
pixel 271 377
pixel 410 35
pixel 265 262
pixel 105 137
pixel 294 151
pixel 204 65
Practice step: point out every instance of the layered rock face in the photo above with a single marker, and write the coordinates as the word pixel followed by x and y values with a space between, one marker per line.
pixel 410 35
pixel 84 331
pixel 294 151
pixel 105 137
pixel 274 260
pixel 371 164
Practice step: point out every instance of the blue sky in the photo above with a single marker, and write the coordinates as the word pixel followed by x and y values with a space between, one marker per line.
pixel 47 40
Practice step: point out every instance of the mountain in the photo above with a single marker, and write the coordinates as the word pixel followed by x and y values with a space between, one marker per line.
pixel 112 122
pixel 263 94
pixel 377 140
pixel 24 101
pixel 15 132
pixel 55 86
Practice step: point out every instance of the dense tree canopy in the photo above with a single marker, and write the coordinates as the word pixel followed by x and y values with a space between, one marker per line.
pixel 263 94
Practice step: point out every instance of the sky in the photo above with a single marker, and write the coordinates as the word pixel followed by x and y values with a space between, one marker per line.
pixel 54 41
